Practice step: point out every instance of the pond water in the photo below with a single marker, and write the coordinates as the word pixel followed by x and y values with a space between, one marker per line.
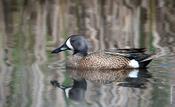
pixel 29 80
pixel 28 83
pixel 152 87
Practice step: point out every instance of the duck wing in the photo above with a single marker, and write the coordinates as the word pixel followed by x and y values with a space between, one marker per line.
pixel 137 54
pixel 133 53
pixel 131 50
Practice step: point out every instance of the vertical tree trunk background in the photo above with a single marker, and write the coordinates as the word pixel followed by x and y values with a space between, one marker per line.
pixel 31 28
pixel 124 23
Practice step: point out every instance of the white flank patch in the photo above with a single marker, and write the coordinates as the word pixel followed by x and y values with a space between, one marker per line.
pixel 134 73
pixel 67 92
pixel 69 44
pixel 133 63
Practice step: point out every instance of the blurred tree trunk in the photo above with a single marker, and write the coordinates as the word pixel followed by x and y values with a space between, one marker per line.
pixel 3 57
pixel 41 31
pixel 106 23
pixel 165 23
pixel 2 33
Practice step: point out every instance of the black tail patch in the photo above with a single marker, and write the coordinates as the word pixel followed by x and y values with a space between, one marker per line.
pixel 144 63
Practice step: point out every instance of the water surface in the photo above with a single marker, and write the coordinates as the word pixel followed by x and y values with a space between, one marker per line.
pixel 153 86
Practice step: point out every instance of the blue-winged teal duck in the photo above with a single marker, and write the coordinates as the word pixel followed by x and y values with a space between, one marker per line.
pixel 107 59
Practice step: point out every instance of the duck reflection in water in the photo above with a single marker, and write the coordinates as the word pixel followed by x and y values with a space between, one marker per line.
pixel 136 78
pixel 75 92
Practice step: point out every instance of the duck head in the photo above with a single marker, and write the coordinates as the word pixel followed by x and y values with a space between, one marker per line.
pixel 76 43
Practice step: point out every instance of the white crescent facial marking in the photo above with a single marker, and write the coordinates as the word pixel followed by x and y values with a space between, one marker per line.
pixel 134 73
pixel 69 44
pixel 133 63
pixel 67 92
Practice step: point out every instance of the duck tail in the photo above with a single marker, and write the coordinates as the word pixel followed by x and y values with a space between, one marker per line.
pixel 143 63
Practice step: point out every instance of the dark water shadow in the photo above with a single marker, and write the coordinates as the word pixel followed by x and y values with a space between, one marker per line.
pixel 133 78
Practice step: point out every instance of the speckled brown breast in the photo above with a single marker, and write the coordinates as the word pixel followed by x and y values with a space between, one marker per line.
pixel 98 60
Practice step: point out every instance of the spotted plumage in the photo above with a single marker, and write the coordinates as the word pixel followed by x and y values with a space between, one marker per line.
pixel 107 59
pixel 98 60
